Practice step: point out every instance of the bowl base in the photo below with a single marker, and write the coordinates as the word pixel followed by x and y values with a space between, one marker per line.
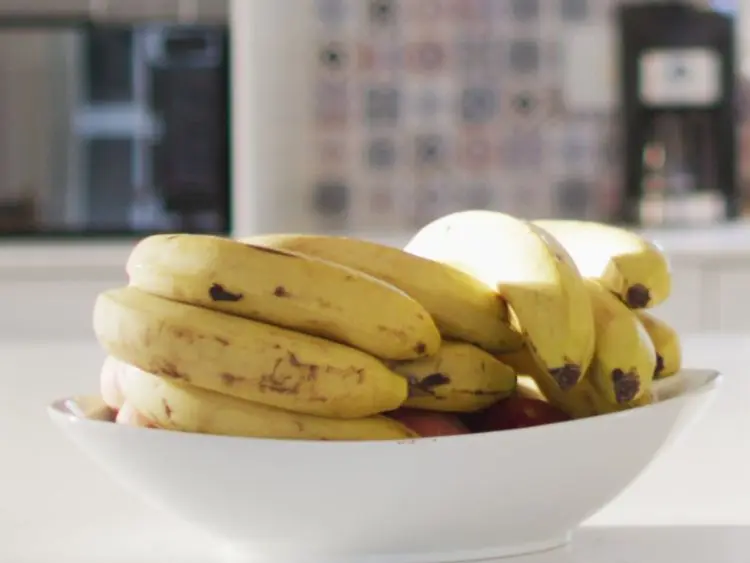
pixel 236 554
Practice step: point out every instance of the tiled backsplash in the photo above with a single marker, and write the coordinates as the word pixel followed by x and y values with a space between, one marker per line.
pixel 425 106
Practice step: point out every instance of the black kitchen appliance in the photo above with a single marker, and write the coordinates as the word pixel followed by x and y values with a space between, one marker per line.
pixel 678 64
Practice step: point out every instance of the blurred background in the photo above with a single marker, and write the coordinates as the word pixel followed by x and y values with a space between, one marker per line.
pixel 120 118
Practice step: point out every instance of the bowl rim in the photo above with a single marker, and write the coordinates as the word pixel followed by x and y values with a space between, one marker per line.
pixel 65 410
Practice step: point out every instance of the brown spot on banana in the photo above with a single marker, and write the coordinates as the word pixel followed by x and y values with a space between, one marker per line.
pixel 435 380
pixel 228 379
pixel 566 376
pixel 425 386
pixel 222 341
pixel 659 365
pixel 312 373
pixel 420 348
pixel 277 384
pixel 168 369
pixel 637 296
pixel 184 334
pixel 281 291
pixel 626 385
pixel 217 292
pixel 167 409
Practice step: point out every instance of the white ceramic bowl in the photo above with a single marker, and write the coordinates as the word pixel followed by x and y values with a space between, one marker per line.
pixel 430 500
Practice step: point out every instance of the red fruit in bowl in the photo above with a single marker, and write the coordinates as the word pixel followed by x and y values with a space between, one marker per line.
pixel 516 412
pixel 429 424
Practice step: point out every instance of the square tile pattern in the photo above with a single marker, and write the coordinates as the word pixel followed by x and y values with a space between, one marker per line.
pixel 428 106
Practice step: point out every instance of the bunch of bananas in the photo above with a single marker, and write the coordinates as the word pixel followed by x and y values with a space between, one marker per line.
pixel 333 338
pixel 576 292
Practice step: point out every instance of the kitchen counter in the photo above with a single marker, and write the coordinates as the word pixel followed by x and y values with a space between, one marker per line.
pixel 725 240
pixel 167 543
pixel 58 507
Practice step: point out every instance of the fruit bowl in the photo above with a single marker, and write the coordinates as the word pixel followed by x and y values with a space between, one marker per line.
pixel 454 498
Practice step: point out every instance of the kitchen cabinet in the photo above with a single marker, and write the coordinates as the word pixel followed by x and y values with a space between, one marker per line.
pixel 680 310
pixel 709 295
pixel 711 271
pixel 731 298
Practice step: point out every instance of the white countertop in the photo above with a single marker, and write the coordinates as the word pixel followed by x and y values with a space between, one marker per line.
pixel 729 241
pixel 167 543
pixel 58 507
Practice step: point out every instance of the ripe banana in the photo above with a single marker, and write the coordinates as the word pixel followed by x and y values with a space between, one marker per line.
pixel 459 378
pixel 580 334
pixel 666 342
pixel 286 289
pixel 627 264
pixel 624 357
pixel 463 307
pixel 244 358
pixel 582 401
pixel 173 405
pixel 548 302
pixel 575 401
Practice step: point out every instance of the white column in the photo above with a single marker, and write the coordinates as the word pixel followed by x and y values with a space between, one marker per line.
pixel 272 56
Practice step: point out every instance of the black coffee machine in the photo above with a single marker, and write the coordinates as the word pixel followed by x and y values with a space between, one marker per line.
pixel 678 64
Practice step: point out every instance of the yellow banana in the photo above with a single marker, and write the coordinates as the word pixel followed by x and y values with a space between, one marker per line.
pixel 576 401
pixel 666 342
pixel 286 289
pixel 627 264
pixel 580 334
pixel 463 307
pixel 615 346
pixel 174 405
pixel 459 378
pixel 548 302
pixel 624 357
pixel 244 358
pixel 582 401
